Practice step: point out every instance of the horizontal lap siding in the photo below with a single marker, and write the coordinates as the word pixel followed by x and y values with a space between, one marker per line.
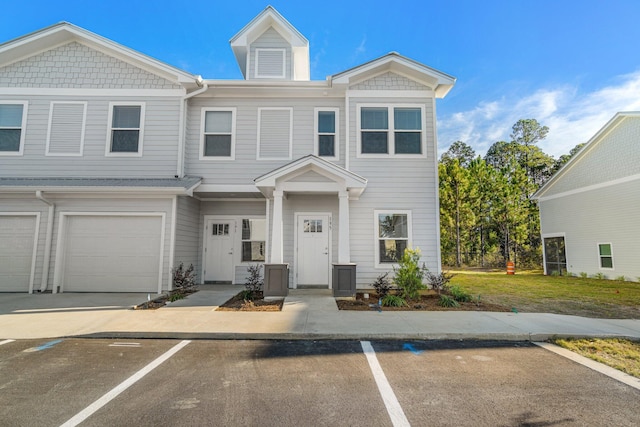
pixel 245 168
pixel 607 215
pixel 160 144
pixel 188 233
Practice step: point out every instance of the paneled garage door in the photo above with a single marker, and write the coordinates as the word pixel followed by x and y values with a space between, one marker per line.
pixel 16 251
pixel 118 253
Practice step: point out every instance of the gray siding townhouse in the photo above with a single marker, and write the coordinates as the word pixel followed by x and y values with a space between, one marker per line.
pixel 115 167
pixel 589 210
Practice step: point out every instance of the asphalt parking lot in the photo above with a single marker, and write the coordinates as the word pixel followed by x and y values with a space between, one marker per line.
pixel 99 382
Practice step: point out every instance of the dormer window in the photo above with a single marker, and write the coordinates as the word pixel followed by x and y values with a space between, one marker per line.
pixel 270 63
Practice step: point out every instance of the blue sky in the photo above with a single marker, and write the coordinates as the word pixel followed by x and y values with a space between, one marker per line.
pixel 570 64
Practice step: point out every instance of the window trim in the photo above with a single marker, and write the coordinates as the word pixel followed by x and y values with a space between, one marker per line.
pixel 203 116
pixel 290 110
pixel 110 128
pixel 266 231
pixel 600 256
pixel 391 130
pixel 336 134
pixel 82 134
pixel 257 62
pixel 23 127
pixel 376 235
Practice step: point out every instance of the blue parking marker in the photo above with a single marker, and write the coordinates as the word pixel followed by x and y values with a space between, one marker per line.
pixel 47 345
pixel 411 348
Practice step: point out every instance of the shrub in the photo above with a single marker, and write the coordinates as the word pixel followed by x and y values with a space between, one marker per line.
pixel 555 273
pixel 254 282
pixel 184 279
pixel 393 301
pixel 459 294
pixel 382 285
pixel 438 282
pixel 600 276
pixel 447 301
pixel 583 275
pixel 247 295
pixel 621 278
pixel 409 274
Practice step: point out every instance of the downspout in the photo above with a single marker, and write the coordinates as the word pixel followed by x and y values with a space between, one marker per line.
pixel 47 243
pixel 182 125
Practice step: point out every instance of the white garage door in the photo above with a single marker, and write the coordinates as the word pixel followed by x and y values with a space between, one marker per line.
pixel 112 253
pixel 16 252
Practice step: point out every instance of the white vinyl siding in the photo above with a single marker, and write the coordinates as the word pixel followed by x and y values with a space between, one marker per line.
pixel 126 129
pixel 19 237
pixel 326 135
pixel 65 136
pixel 218 134
pixel 270 63
pixel 187 232
pixel 275 133
pixel 13 121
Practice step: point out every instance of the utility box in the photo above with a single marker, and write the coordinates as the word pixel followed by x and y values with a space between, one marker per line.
pixel 344 280
pixel 276 280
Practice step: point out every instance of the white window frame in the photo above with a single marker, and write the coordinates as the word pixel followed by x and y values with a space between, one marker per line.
pixel 376 235
pixel 390 131
pixel 23 127
pixel 110 128
pixel 203 116
pixel 600 267
pixel 84 123
pixel 257 62
pixel 316 133
pixel 290 110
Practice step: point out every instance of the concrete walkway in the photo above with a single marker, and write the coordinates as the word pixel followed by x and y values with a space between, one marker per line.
pixel 307 314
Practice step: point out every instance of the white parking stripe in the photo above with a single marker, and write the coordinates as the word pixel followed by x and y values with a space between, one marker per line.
pixel 91 409
pixel 6 342
pixel 388 396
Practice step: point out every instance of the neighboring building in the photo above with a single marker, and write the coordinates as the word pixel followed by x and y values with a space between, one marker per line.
pixel 589 210
pixel 115 167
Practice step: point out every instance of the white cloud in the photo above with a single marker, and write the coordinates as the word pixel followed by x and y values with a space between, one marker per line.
pixel 572 117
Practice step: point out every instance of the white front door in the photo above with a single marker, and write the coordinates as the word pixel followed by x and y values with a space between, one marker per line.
pixel 219 266
pixel 313 250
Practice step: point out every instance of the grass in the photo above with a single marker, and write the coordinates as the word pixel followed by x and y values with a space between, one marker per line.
pixel 620 354
pixel 535 292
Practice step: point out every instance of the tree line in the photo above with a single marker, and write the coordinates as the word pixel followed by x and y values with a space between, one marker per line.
pixel 487 216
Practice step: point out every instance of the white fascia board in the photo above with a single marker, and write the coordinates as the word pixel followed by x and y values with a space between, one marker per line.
pixel 217 188
pixel 94 190
pixel 76 92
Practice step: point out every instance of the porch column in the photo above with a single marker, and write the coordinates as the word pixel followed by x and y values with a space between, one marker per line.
pixel 276 238
pixel 344 252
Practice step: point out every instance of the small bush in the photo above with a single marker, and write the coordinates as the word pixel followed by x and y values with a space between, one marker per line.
pixel 393 301
pixel 599 276
pixel 621 278
pixel 409 274
pixel 184 279
pixel 254 281
pixel 176 296
pixel 583 275
pixel 459 294
pixel 382 285
pixel 438 282
pixel 447 301
pixel 247 295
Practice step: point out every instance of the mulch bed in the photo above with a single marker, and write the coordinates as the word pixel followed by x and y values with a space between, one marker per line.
pixel 237 303
pixel 427 302
pixel 165 299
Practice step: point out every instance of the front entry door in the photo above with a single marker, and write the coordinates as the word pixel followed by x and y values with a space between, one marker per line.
pixel 219 248
pixel 555 255
pixel 313 250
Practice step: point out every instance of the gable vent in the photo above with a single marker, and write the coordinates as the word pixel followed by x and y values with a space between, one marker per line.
pixel 66 128
pixel 270 63
pixel 274 133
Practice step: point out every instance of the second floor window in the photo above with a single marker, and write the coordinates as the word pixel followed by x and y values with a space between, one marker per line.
pixel 326 138
pixel 391 130
pixel 125 133
pixel 218 134
pixel 12 121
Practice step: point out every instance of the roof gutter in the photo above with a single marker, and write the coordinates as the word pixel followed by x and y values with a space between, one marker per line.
pixel 49 238
pixel 182 127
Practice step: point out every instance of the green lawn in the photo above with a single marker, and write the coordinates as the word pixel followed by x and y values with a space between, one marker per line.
pixel 534 292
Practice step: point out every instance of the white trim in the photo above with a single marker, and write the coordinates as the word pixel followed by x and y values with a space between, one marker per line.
pixel 336 134
pixel 390 131
pixel 58 277
pixel 257 51
pixel 544 253
pixel 436 187
pixel 347 127
pixel 84 123
pixel 172 240
pixel 36 237
pixel 598 186
pixel 260 110
pixel 389 93
pixel 81 92
pixel 600 267
pixel 297 215
pixel 227 188
pixel 203 116
pixel 107 151
pixel 23 126
pixel 376 236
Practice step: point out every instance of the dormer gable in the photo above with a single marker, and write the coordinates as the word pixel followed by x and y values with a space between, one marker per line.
pixel 270 48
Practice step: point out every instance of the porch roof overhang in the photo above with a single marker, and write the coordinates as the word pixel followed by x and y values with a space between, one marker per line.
pixel 329 178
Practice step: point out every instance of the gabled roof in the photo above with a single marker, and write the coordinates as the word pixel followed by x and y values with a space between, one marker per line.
pixel 266 19
pixel 64 33
pixel 440 82
pixel 595 140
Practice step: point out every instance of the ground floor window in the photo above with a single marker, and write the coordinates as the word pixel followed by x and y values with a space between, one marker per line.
pixel 253 239
pixel 555 257
pixel 606 255
pixel 392 235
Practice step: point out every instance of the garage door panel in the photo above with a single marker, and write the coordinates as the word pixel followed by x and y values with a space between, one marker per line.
pixel 16 252
pixel 112 253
